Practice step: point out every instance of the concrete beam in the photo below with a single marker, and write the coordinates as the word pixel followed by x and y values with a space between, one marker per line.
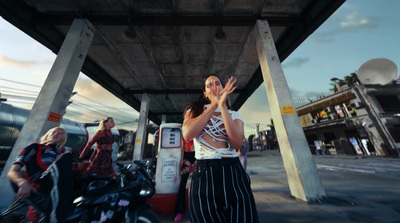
pixel 303 178
pixel 141 130
pixel 52 100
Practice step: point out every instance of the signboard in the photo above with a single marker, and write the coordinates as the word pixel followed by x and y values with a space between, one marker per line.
pixel 288 109
pixel 338 109
pixel 54 117
pixel 169 170
pixel 354 142
pixel 317 145
pixel 323 114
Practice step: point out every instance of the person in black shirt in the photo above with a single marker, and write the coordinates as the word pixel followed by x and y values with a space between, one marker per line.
pixel 36 158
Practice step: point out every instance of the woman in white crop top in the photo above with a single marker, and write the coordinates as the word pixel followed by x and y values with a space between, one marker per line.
pixel 220 187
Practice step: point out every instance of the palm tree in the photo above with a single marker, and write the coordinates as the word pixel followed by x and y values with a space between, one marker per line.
pixel 350 80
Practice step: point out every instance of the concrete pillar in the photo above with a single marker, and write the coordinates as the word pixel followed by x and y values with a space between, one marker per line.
pixel 163 118
pixel 53 98
pixel 303 178
pixel 141 130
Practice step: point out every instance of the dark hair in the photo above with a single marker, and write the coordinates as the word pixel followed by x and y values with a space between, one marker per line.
pixel 196 107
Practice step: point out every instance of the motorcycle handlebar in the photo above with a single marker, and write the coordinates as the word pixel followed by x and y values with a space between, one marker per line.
pixel 136 162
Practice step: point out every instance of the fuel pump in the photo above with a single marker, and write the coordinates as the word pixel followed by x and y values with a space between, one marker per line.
pixel 169 156
pixel 168 175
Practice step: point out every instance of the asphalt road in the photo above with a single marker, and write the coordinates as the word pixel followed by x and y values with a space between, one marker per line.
pixel 358 189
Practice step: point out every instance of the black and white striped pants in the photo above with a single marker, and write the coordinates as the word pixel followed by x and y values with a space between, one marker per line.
pixel 220 192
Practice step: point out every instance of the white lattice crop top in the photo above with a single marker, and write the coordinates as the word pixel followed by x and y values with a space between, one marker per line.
pixel 216 130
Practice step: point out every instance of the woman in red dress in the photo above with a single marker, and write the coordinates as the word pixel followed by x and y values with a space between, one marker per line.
pixel 100 162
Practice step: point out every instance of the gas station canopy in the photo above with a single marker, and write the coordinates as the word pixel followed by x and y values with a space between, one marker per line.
pixel 165 48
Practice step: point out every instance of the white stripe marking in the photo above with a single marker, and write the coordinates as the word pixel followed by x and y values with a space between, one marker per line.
pixel 335 168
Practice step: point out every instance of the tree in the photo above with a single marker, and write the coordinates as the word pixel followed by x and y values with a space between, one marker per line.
pixel 350 80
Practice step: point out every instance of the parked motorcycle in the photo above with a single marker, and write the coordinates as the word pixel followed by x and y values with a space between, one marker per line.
pixel 150 167
pixel 101 200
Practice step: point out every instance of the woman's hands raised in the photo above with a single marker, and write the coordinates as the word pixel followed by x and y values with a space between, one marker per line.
pixel 220 96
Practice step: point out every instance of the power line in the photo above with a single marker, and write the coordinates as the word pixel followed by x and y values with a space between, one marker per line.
pixel 15 97
pixel 17 82
pixel 21 96
pixel 94 101
pixel 18 97
pixel 83 110
pixel 115 108
pixel 80 116
pixel 18 89
pixel 19 102
pixel 82 107
pixel 115 117
pixel 91 110
pixel 17 92
pixel 112 111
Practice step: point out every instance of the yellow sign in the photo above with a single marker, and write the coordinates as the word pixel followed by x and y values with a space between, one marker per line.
pixel 323 114
pixel 138 140
pixel 288 109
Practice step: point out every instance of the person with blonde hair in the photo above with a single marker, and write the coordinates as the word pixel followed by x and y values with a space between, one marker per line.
pixel 36 157
pixel 100 162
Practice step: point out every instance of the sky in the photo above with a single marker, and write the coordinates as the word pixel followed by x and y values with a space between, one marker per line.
pixel 358 31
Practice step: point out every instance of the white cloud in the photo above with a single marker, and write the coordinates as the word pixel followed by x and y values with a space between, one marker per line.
pixel 351 22
pixel 354 20
pixel 8 63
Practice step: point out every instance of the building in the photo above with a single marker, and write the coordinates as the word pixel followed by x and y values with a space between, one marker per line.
pixel 363 120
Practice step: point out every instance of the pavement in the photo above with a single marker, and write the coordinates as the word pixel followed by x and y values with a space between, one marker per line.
pixel 362 189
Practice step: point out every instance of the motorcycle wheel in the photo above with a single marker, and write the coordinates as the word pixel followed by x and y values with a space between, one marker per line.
pixel 145 216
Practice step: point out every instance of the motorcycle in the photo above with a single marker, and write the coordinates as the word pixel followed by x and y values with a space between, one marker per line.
pixel 100 199
pixel 150 166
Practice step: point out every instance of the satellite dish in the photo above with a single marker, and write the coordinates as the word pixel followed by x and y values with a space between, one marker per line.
pixel 377 71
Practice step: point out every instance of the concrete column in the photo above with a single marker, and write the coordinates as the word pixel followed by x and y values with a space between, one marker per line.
pixel 303 178
pixel 163 118
pixel 141 130
pixel 53 98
